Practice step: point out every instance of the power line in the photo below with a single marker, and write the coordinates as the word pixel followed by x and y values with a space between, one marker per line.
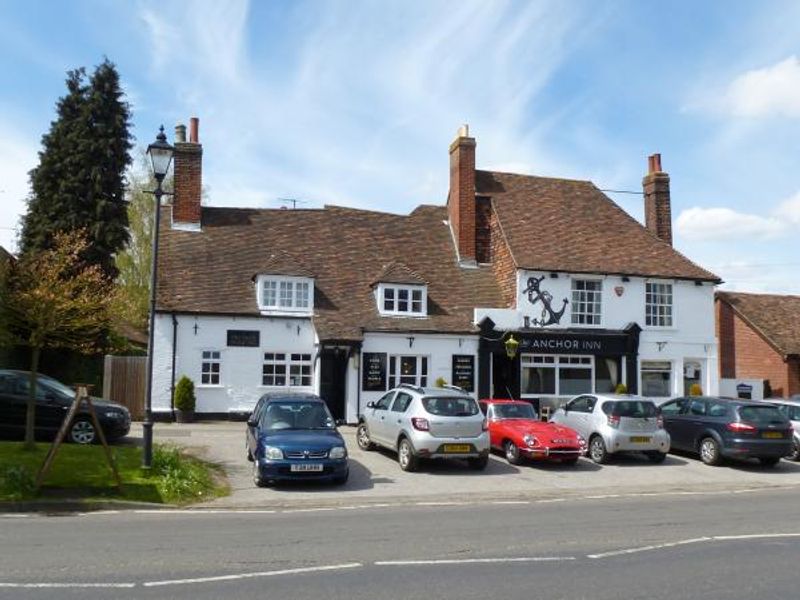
pixel 622 192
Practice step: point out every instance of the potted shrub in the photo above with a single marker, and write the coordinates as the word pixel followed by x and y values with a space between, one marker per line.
pixel 695 390
pixel 621 389
pixel 184 400
pixel 441 382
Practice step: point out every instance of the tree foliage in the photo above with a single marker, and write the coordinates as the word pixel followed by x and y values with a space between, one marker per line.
pixel 79 182
pixel 54 299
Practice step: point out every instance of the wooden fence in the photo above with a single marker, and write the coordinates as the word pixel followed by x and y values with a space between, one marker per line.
pixel 125 382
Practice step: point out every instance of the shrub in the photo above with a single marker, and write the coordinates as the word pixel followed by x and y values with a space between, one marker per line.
pixel 441 382
pixel 621 389
pixel 180 478
pixel 695 390
pixel 17 483
pixel 184 394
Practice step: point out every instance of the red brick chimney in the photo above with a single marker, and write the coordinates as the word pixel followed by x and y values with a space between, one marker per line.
pixel 461 200
pixel 188 169
pixel 657 209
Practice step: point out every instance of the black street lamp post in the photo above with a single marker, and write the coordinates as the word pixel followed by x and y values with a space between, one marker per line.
pixel 160 153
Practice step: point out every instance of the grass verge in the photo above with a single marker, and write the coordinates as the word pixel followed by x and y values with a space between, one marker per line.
pixel 82 472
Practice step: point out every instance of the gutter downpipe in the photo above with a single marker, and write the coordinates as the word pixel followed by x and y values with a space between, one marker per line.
pixel 172 376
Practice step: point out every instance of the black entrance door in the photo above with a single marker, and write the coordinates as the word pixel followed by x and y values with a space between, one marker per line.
pixel 505 376
pixel 333 377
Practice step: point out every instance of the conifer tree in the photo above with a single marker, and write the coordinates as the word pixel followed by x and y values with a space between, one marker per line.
pixel 80 180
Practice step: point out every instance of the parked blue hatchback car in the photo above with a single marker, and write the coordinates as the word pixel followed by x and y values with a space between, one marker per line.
pixel 294 437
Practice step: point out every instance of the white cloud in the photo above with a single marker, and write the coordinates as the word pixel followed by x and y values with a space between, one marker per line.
pixel 698 223
pixel 17 157
pixel 789 210
pixel 772 91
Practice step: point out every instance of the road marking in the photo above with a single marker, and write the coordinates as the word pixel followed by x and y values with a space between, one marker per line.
pixel 307 510
pixel 443 503
pixel 67 585
pixel 297 571
pixel 505 502
pixel 467 561
pixel 201 511
pixel 705 539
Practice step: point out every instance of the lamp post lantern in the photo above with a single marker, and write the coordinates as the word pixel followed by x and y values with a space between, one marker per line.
pixel 511 346
pixel 160 153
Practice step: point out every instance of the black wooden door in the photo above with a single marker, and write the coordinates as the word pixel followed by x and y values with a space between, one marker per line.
pixel 333 380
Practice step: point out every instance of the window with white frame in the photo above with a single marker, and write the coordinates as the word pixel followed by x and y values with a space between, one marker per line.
pixel 290 294
pixel 658 304
pixel 552 375
pixel 656 378
pixel 210 367
pixel 587 297
pixel 282 369
pixel 402 300
pixel 408 369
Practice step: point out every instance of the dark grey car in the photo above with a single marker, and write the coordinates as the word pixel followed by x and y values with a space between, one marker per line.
pixel 717 428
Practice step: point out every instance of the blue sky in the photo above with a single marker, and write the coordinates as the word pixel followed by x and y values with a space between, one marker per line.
pixel 355 102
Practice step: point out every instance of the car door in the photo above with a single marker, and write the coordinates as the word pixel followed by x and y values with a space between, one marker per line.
pixel 12 407
pixel 52 407
pixel 252 427
pixel 695 421
pixel 578 415
pixel 674 415
pixel 395 418
pixel 376 418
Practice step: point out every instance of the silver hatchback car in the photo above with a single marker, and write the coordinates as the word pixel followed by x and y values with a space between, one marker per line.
pixel 791 410
pixel 422 423
pixel 616 423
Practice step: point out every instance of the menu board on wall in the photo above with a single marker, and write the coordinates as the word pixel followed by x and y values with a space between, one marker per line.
pixel 241 337
pixel 374 375
pixel 464 371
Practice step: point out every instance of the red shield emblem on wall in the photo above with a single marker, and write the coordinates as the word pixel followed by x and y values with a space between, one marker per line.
pixel 619 290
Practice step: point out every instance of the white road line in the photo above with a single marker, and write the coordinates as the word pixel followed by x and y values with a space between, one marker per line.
pixel 67 585
pixel 201 511
pixel 443 503
pixel 15 516
pixel 297 571
pixel 308 510
pixel 469 561
pixel 504 502
pixel 705 539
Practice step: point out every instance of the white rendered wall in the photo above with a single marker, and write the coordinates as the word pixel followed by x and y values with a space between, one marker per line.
pixel 241 368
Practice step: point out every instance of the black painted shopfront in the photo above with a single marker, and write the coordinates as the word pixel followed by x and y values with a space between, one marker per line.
pixel 555 362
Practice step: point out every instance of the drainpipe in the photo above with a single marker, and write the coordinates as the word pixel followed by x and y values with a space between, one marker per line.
pixel 172 377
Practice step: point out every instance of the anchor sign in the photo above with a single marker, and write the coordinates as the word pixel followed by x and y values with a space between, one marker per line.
pixel 535 294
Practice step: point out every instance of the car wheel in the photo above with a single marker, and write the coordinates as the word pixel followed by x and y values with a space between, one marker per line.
pixel 512 453
pixel 478 464
pixel 362 437
pixel 257 479
pixel 769 461
pixel 343 479
pixel 82 431
pixel 405 456
pixel 570 461
pixel 794 455
pixel 597 450
pixel 709 451
pixel 656 457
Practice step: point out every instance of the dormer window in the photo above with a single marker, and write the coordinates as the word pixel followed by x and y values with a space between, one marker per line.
pixel 403 300
pixel 285 294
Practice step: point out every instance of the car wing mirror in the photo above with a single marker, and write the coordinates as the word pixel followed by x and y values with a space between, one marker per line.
pixel 370 404
pixel 252 422
pixel 340 422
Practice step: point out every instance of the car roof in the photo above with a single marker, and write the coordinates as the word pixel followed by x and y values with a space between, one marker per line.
pixel 787 401
pixel 434 391
pixel 503 401
pixel 290 396
pixel 618 397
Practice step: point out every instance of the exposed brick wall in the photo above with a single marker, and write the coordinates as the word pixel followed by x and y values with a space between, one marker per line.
pixel 188 167
pixel 461 201
pixel 483 229
pixel 505 270
pixel 657 208
pixel 744 354
pixel 793 368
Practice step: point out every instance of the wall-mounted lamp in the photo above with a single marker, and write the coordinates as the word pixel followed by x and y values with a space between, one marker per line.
pixel 661 345
pixel 626 278
pixel 511 346
pixel 553 275
pixel 410 341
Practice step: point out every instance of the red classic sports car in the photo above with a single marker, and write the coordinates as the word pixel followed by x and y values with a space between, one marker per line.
pixel 515 429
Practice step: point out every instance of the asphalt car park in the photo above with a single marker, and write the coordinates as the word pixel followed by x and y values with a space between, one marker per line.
pixel 376 476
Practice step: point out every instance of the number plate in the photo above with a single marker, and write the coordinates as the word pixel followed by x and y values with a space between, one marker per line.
pixel 640 439
pixel 773 434
pixel 457 448
pixel 305 468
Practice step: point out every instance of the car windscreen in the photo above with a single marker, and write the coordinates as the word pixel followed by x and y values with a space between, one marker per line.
pixel 451 406
pixel 514 411
pixel 296 415
pixel 636 409
pixel 761 415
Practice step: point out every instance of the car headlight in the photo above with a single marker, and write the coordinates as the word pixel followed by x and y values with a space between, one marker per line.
pixel 337 452
pixel 273 453
pixel 581 441
pixel 114 414
pixel 529 440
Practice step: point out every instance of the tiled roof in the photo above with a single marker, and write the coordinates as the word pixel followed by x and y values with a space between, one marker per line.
pixel 280 262
pixel 211 271
pixel 775 317
pixel 569 225
pixel 397 272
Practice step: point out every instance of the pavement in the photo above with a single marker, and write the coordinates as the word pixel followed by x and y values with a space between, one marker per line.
pixel 375 477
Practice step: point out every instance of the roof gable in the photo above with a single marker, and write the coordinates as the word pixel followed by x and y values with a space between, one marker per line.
pixel 398 272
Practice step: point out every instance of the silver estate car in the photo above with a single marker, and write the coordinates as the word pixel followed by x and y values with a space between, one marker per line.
pixel 616 423
pixel 791 410
pixel 419 423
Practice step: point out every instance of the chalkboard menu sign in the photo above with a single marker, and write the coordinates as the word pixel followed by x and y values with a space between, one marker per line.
pixel 374 375
pixel 240 337
pixel 464 371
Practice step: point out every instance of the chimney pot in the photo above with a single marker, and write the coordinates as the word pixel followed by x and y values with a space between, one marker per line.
pixel 194 126
pixel 180 133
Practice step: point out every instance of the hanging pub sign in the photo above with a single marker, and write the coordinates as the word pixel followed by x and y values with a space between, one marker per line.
pixel 242 337
pixel 374 374
pixel 463 374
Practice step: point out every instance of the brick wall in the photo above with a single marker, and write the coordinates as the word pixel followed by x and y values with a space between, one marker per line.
pixel 505 270
pixel 461 201
pixel 483 229
pixel 657 206
pixel 744 354
pixel 188 167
